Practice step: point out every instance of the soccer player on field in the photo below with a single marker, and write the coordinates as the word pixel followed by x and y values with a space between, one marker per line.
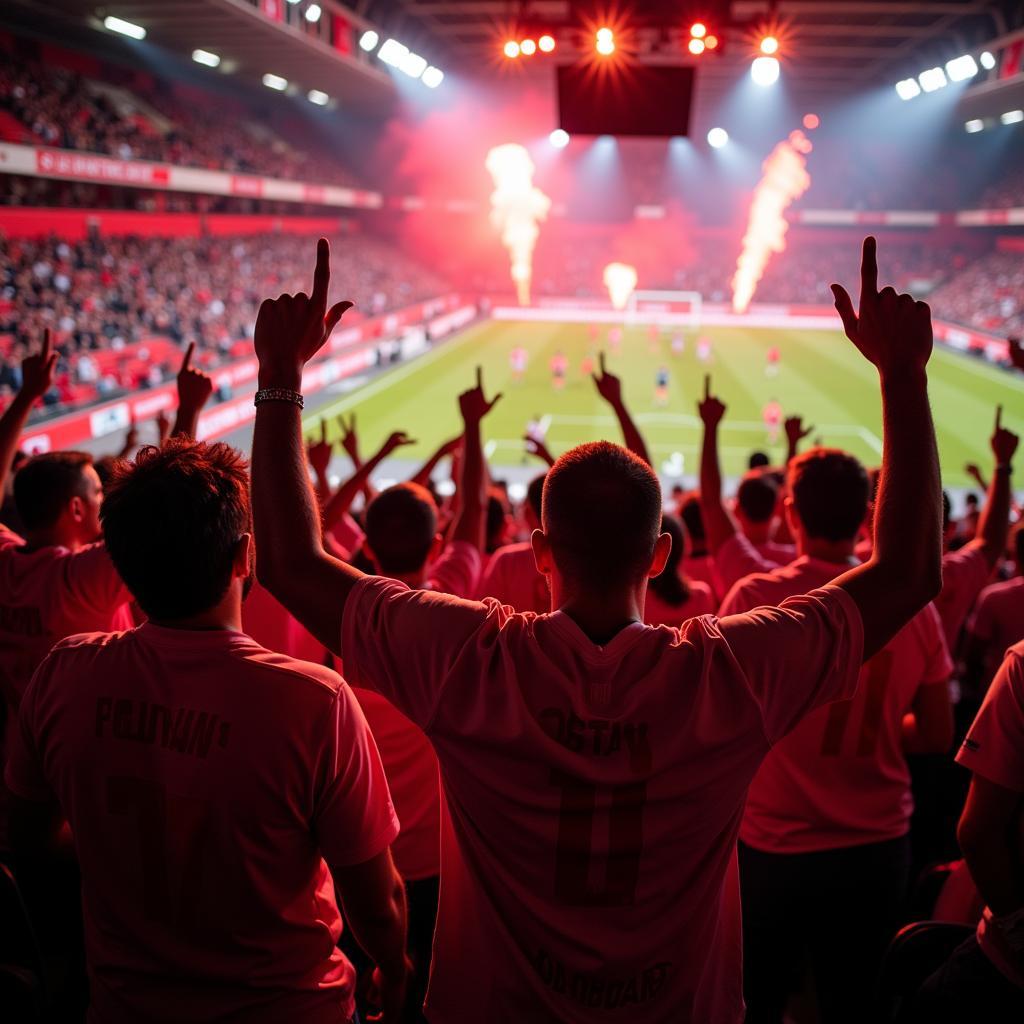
pixel 661 381
pixel 559 367
pixel 771 362
pixel 595 769
pixel 517 360
pixel 771 414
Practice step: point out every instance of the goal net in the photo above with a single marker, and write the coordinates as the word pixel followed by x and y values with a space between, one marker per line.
pixel 666 309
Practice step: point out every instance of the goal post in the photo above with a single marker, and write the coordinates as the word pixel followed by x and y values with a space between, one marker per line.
pixel 666 309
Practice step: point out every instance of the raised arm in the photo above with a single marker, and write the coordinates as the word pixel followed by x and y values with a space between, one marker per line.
pixel 290 557
pixel 719 525
pixel 341 501
pixel 609 387
pixel 318 453
pixel 425 471
pixel 36 380
pixel 994 524
pixel 194 390
pixel 470 520
pixel 539 449
pixel 795 433
pixel 350 444
pixel 905 572
pixel 131 440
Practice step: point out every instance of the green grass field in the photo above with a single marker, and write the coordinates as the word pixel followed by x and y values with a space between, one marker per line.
pixel 821 377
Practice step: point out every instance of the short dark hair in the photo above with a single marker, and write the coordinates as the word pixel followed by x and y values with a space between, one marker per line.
pixel 401 523
pixel 758 460
pixel 495 519
pixel 172 521
pixel 46 483
pixel 671 585
pixel 601 513
pixel 830 492
pixel 757 496
pixel 535 494
pixel 693 518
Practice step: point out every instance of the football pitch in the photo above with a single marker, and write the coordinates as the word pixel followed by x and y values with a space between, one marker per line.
pixel 821 377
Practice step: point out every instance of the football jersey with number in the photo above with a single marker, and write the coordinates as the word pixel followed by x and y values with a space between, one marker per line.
pixel 593 794
pixel 840 778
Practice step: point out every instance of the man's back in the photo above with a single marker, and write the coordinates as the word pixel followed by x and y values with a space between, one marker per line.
pixel 205 780
pixel 593 793
pixel 998 620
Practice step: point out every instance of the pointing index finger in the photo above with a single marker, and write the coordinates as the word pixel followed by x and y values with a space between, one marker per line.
pixel 869 268
pixel 600 362
pixel 480 378
pixel 322 273
pixel 999 417
pixel 707 386
pixel 187 361
pixel 44 350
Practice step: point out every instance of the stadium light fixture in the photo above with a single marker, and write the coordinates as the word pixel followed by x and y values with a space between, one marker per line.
pixel 124 28
pixel 413 64
pixel 717 138
pixel 432 77
pixel 546 43
pixel 511 49
pixel 368 40
pixel 764 71
pixel 811 121
pixel 974 125
pixel 696 46
pixel 605 42
pixel 698 30
pixel 987 61
pixel 313 12
pixel 321 99
pixel 392 52
pixel 559 138
pixel 908 89
pixel 528 47
pixel 211 60
pixel 769 45
pixel 711 42
pixel 961 68
pixel 1012 117
pixel 932 79
pixel 275 82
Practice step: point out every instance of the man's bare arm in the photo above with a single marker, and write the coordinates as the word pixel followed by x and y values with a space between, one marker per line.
pixel 424 473
pixel 194 390
pixel 719 525
pixel 994 523
pixel 609 387
pixel 341 501
pixel 471 518
pixel 36 380
pixel 905 572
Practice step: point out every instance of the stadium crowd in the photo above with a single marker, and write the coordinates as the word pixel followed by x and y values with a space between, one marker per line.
pixel 542 756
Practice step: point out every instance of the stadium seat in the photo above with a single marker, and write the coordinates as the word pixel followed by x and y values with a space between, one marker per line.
pixel 916 952
pixel 926 889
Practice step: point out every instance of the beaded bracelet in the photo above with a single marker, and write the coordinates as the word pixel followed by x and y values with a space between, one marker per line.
pixel 279 395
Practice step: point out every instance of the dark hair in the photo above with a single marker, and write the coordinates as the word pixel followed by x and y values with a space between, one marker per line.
pixel 830 492
pixel 172 521
pixel 495 520
pixel 46 483
pixel 693 519
pixel 757 497
pixel 670 586
pixel 970 498
pixel 535 494
pixel 401 523
pixel 758 460
pixel 105 467
pixel 601 512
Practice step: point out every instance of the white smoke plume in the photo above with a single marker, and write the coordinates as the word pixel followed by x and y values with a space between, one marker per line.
pixel 784 179
pixel 517 206
pixel 620 280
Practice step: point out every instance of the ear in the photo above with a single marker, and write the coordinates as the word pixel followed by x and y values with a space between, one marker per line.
pixel 76 507
pixel 245 550
pixel 662 549
pixel 542 556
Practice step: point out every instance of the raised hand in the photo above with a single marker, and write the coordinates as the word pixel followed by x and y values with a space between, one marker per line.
pixel 1004 442
pixel 194 386
pixel 37 370
pixel 892 331
pixel 395 441
pixel 710 409
pixel 795 430
pixel 473 405
pixel 534 446
pixel 163 426
pixel 349 438
pixel 291 329
pixel 319 452
pixel 609 387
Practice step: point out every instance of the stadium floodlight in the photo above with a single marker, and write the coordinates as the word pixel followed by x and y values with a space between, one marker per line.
pixel 711 42
pixel 368 40
pixel 769 45
pixel 432 77
pixel 908 89
pixel 413 64
pixel 124 28
pixel 559 138
pixel 974 125
pixel 932 79
pixel 313 12
pixel 987 60
pixel 764 71
pixel 696 46
pixel 527 47
pixel 321 99
pixel 1012 117
pixel 511 49
pixel 211 60
pixel 717 138
pixel 961 68
pixel 392 52
pixel 546 43
pixel 698 30
pixel 605 42
pixel 275 82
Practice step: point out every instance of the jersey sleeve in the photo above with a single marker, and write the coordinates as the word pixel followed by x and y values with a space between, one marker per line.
pixel 457 571
pixel 994 745
pixel 93 579
pixel 405 643
pixel 737 558
pixel 24 775
pixel 353 816
pixel 795 657
pixel 938 666
pixel 981 624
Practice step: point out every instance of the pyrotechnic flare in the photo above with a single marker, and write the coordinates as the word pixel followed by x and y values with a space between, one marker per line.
pixel 517 206
pixel 785 178
pixel 620 280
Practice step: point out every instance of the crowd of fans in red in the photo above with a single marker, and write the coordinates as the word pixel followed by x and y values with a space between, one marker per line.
pixel 570 743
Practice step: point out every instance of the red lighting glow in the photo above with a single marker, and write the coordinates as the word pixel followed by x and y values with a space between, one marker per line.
pixel 696 46
pixel 698 30
pixel 769 45
pixel 546 43
pixel 711 42
pixel 811 121
pixel 528 47
pixel 511 49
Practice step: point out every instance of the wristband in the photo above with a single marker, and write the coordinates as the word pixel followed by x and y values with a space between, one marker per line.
pixel 279 395
pixel 1004 467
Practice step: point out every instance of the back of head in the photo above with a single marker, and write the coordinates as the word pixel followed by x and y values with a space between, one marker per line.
pixel 496 520
pixel 693 520
pixel 758 460
pixel 757 497
pixel 535 495
pixel 46 483
pixel 669 585
pixel 601 513
pixel 172 521
pixel 830 492
pixel 401 523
